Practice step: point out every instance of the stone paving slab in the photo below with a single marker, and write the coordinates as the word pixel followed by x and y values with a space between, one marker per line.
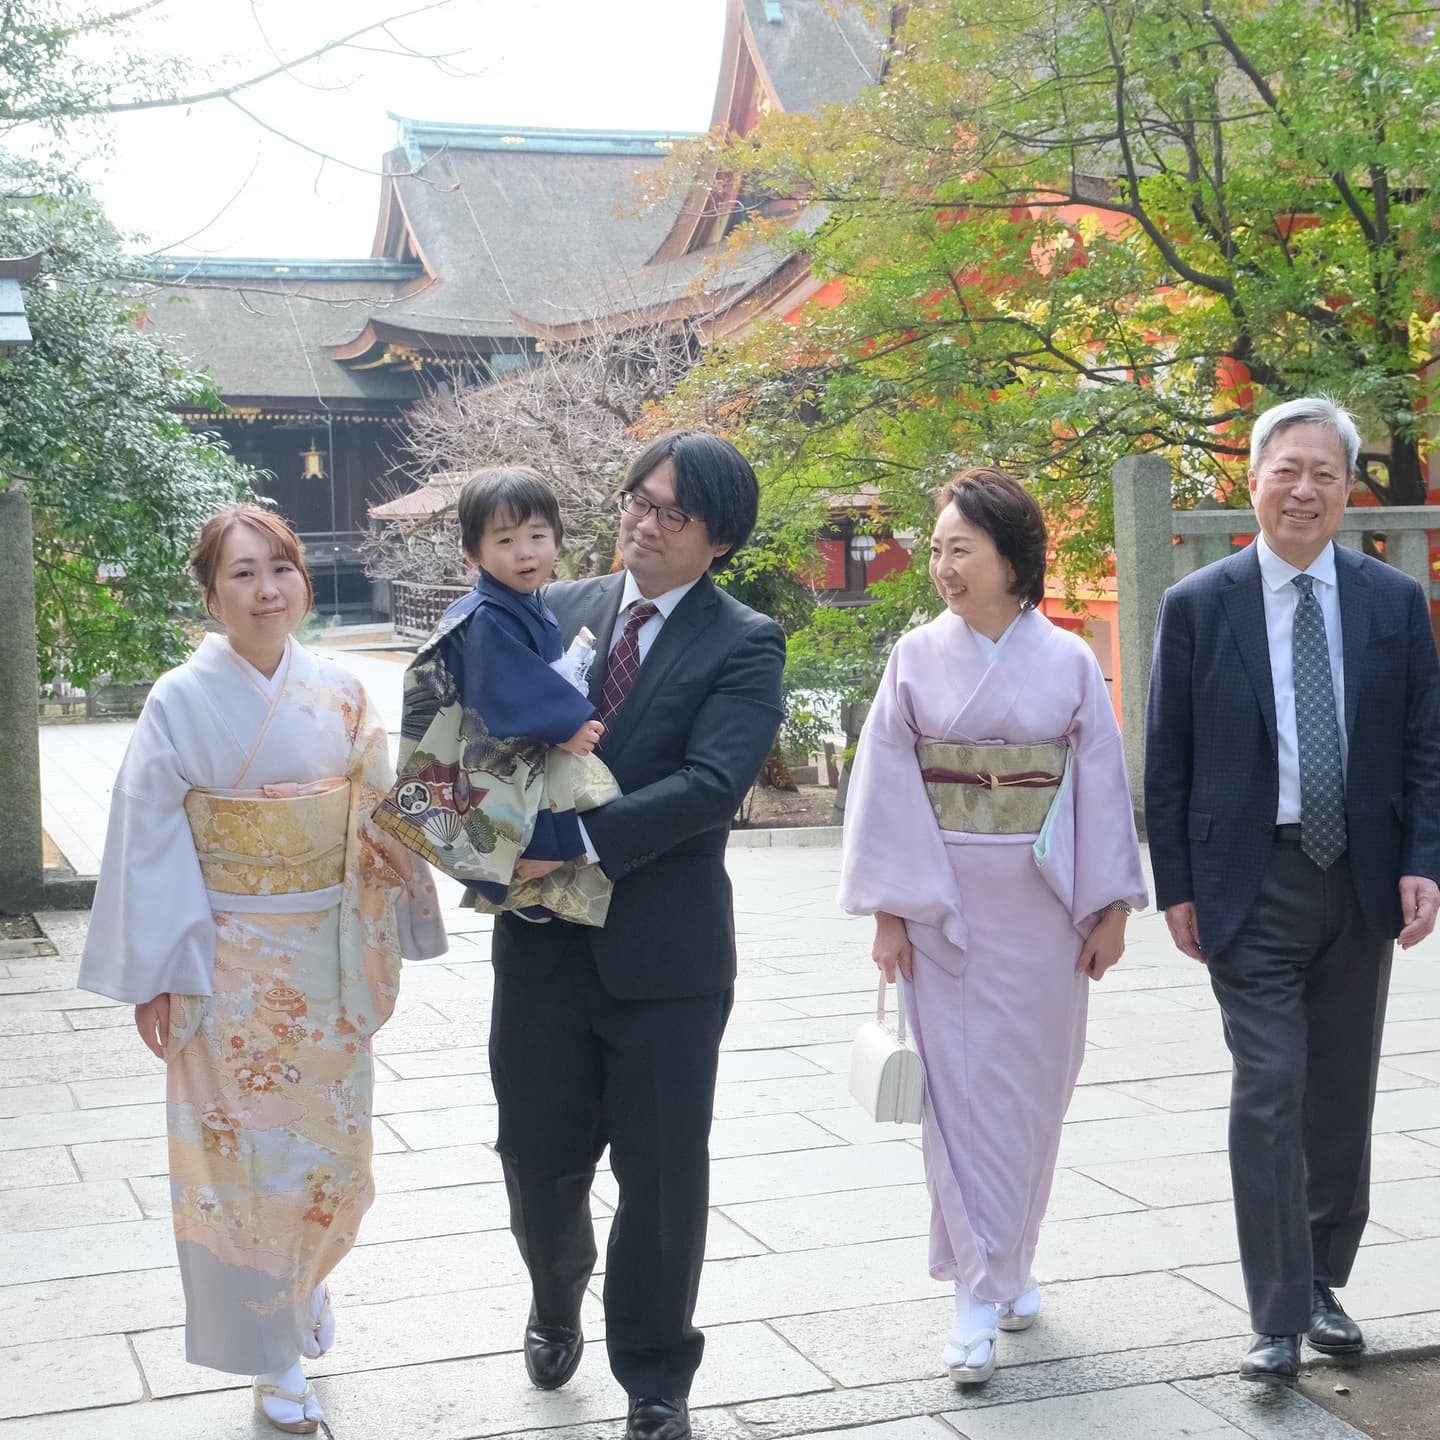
pixel 1134 1414
pixel 820 1313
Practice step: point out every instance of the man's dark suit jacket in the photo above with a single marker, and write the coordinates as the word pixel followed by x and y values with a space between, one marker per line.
pixel 1211 767
pixel 685 747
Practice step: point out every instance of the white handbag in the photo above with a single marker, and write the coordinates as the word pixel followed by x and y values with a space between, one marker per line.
pixel 887 1075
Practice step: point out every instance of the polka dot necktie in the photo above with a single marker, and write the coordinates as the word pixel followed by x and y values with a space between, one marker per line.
pixel 1322 781
pixel 624 660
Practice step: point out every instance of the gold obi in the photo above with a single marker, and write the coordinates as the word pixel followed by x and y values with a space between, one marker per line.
pixel 991 789
pixel 278 840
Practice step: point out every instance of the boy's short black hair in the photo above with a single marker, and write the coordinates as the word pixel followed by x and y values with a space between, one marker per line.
pixel 713 482
pixel 507 495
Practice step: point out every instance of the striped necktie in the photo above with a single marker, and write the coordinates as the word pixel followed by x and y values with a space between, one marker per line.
pixel 624 660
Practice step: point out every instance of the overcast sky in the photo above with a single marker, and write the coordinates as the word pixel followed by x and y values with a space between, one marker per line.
pixel 210 180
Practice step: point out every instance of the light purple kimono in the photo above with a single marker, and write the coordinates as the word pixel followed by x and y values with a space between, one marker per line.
pixel 996 922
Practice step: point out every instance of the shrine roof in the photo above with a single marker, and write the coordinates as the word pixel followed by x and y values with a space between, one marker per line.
pixel 269 335
pixel 696 285
pixel 815 52
pixel 510 219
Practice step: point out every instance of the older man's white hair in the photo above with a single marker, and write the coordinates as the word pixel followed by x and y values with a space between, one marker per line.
pixel 1312 410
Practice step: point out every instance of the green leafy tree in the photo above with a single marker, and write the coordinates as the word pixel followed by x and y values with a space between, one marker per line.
pixel 119 487
pixel 1066 233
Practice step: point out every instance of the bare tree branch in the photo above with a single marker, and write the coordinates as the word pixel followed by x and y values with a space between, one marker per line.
pixel 577 416
pixel 226 92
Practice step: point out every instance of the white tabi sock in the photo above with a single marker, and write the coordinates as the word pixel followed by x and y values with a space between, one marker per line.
pixel 287 1412
pixel 972 1318
pixel 321 1334
pixel 1026 1306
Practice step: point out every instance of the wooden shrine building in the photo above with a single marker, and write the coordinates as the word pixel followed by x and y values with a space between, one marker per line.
pixel 489 240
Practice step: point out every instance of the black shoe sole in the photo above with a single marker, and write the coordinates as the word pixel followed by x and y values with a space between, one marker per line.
pixel 1261 1377
pixel 554 1382
pixel 1347 1349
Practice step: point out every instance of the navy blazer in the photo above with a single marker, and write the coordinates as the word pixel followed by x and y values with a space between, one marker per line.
pixel 685 747
pixel 1211 769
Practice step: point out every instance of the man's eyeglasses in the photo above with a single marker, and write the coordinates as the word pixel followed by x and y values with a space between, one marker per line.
pixel 666 516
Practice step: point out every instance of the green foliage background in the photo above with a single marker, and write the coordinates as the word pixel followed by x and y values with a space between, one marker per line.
pixel 1061 231
pixel 87 424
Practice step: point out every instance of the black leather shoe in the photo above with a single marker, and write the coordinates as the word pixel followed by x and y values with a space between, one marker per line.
pixel 551 1353
pixel 1332 1331
pixel 657 1420
pixel 1272 1360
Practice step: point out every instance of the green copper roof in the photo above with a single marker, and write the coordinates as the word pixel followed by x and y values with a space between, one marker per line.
pixel 417 136
pixel 225 267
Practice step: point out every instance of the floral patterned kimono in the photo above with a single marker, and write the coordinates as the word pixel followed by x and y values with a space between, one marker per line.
pixel 242 876
pixel 999 878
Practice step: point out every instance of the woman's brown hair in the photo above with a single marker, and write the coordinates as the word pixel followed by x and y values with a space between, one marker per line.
pixel 205 556
pixel 1006 511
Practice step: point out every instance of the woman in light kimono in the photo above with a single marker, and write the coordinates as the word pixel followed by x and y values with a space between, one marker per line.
pixel 989 831
pixel 256 919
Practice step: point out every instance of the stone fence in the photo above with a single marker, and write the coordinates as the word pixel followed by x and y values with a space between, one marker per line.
pixel 1156 545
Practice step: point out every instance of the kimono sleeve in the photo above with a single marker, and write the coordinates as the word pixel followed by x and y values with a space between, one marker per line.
pixel 1094 856
pixel 390 870
pixel 152 931
pixel 894 857
pixel 515 691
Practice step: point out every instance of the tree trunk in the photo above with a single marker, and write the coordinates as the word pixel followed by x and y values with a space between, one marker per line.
pixel 776 773
pixel 1406 481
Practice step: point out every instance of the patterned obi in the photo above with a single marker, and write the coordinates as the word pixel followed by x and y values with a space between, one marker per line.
pixel 280 840
pixel 991 789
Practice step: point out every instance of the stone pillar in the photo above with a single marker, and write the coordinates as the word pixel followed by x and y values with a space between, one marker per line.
pixel 22 864
pixel 1144 568
pixel 1409 550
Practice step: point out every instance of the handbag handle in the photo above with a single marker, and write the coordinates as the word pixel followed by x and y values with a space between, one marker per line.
pixel 899 1004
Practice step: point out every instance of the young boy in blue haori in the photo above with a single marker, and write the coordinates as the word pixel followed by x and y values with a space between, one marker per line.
pixel 497 729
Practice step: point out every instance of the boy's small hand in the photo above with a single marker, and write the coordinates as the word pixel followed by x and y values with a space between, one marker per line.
pixel 585 739
pixel 535 869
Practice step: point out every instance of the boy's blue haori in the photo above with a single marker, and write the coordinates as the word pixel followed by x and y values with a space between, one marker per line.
pixel 480 783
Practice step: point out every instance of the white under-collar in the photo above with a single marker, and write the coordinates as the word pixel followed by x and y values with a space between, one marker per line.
pixel 269 684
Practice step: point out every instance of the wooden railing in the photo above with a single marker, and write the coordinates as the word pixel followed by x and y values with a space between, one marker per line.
pixel 418 608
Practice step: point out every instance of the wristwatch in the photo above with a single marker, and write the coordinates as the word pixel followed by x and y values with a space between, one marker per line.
pixel 1124 906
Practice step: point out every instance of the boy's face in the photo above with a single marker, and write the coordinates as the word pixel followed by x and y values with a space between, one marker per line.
pixel 518 554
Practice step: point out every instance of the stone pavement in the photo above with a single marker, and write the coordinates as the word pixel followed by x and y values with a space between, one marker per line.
pixel 818 1308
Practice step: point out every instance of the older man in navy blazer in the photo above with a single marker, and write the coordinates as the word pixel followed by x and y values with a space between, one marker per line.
pixel 1292 799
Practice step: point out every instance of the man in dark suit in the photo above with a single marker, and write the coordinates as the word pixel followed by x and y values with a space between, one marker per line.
pixel 612 1035
pixel 1292 799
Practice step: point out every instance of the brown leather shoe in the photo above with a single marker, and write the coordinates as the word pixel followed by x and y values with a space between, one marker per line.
pixel 651 1419
pixel 552 1353
pixel 1332 1331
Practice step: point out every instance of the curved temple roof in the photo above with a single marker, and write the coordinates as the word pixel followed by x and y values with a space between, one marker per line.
pixel 488 235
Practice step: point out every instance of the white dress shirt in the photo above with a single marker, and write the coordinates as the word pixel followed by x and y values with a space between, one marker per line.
pixel 644 639
pixel 1281 598
pixel 665 604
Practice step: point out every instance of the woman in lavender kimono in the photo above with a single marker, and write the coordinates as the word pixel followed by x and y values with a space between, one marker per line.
pixel 256 920
pixel 989 831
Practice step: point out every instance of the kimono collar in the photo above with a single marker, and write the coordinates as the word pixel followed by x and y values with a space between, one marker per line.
pixel 268 685
pixel 498 592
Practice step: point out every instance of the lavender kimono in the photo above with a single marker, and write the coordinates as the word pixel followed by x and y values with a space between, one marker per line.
pixel 996 921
